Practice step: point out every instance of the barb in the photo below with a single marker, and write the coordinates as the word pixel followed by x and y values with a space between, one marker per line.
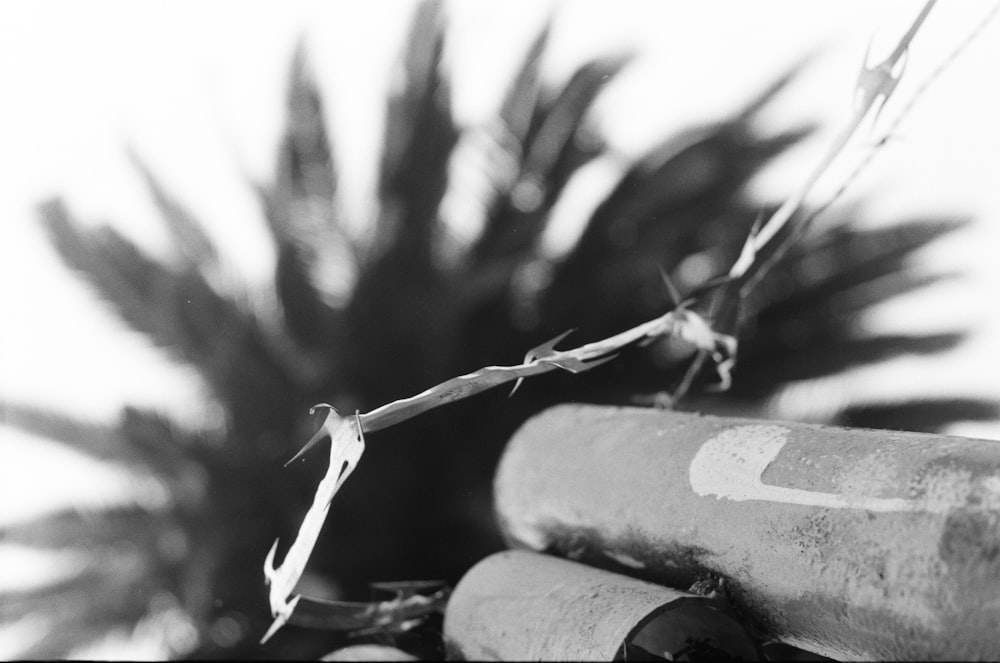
pixel 873 89
pixel 347 444
pixel 873 150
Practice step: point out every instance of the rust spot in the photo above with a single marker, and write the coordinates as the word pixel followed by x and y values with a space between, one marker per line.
pixel 971 539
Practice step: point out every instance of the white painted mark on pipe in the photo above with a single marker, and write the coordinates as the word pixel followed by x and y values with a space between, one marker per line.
pixel 731 464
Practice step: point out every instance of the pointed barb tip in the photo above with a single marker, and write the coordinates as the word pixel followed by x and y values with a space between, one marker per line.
pixel 317 436
pixel 547 348
pixel 517 385
pixel 675 295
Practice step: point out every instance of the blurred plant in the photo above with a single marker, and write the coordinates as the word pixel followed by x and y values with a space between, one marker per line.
pixel 364 319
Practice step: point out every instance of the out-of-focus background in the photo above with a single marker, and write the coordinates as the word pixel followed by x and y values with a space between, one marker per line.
pixel 197 94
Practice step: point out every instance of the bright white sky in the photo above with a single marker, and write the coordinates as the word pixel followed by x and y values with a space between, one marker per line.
pixel 197 88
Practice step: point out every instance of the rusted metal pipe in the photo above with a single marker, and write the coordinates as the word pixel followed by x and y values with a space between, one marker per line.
pixel 522 606
pixel 851 543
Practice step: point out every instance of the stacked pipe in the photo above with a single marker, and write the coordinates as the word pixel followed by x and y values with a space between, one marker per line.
pixel 851 543
pixel 523 606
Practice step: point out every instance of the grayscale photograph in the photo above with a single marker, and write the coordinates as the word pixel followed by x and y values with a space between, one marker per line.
pixel 608 330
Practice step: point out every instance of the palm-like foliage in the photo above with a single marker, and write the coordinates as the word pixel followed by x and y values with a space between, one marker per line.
pixel 365 320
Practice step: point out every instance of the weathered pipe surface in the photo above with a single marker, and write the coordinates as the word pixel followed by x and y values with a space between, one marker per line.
pixel 852 543
pixel 522 606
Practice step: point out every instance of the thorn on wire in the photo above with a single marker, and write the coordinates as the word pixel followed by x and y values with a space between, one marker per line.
pixel 574 365
pixel 758 222
pixel 517 385
pixel 877 83
pixel 546 349
pixel 675 295
pixel 317 436
pixel 689 374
